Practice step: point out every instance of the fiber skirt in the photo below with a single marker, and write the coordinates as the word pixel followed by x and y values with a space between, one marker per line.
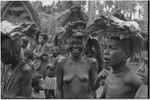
pixel 50 83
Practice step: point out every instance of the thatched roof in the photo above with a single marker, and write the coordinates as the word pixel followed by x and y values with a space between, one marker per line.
pixel 18 12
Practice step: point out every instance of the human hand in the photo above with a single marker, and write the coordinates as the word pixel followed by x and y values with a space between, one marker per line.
pixel 103 74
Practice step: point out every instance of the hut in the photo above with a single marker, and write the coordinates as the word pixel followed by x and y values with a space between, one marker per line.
pixel 18 12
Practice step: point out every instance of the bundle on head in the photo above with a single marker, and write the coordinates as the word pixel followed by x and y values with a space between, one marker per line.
pixel 117 26
pixel 76 29
pixel 25 29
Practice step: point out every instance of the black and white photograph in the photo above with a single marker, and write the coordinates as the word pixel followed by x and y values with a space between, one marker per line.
pixel 89 49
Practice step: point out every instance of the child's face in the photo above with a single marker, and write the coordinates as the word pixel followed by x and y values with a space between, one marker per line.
pixel 113 54
pixel 40 39
pixel 143 73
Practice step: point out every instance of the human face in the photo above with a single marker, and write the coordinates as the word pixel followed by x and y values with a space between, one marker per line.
pixel 45 58
pixel 143 73
pixel 40 39
pixel 113 54
pixel 76 46
pixel 7 52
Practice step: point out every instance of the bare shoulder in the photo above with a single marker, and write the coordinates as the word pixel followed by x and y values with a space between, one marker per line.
pixel 92 60
pixel 60 62
pixel 61 59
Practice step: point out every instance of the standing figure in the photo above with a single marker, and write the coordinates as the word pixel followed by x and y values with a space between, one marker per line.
pixel 122 80
pixel 50 80
pixel 18 76
pixel 42 39
pixel 123 38
pixel 76 75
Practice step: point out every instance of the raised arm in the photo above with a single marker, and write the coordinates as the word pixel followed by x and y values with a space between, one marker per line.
pixel 93 74
pixel 59 79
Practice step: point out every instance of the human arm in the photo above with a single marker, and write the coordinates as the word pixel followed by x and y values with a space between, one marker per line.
pixel 95 82
pixel 59 79
pixel 26 88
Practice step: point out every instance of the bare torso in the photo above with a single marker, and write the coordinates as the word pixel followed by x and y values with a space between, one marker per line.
pixel 77 79
pixel 16 84
pixel 122 85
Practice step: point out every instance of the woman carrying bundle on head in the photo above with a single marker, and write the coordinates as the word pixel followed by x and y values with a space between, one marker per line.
pixel 76 74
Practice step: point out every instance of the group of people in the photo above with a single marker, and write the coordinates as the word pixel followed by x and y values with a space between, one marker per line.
pixel 26 71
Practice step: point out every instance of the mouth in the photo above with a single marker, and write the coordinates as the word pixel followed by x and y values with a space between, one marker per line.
pixel 106 59
pixel 76 50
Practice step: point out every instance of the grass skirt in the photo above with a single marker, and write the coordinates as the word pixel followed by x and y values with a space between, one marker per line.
pixel 50 83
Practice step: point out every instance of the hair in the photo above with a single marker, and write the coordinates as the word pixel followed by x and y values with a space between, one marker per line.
pixel 4 37
pixel 74 25
pixel 15 44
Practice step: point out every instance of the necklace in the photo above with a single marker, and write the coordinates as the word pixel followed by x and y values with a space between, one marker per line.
pixel 120 70
pixel 7 77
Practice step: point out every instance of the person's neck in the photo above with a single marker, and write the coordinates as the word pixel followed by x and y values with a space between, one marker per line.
pixel 76 58
pixel 119 68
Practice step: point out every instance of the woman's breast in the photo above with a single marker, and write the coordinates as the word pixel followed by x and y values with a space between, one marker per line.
pixel 75 78
pixel 75 84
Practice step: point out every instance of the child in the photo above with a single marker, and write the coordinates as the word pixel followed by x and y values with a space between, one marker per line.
pixel 50 80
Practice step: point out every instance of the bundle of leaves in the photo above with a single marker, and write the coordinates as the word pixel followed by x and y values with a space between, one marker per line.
pixel 76 29
pixel 25 29
pixel 116 26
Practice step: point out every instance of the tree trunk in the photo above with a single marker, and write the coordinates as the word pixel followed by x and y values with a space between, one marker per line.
pixel 146 13
pixel 91 10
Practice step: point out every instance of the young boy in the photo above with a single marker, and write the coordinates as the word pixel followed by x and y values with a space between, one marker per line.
pixel 122 82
